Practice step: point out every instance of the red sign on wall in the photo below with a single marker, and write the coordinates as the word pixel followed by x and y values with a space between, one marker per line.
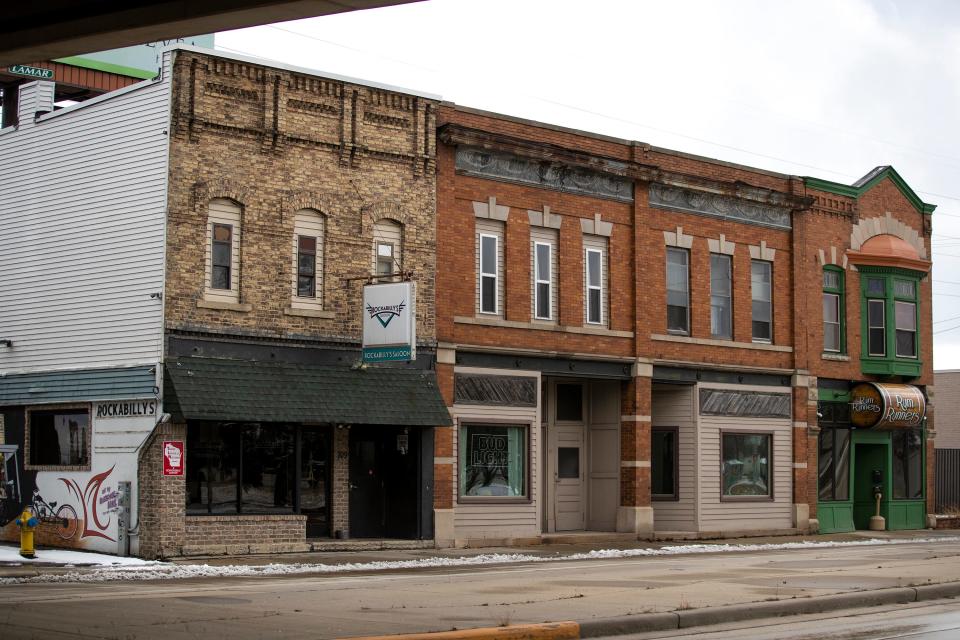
pixel 173 457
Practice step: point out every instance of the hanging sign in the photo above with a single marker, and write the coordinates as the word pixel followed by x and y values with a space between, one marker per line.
pixel 389 322
pixel 173 457
pixel 882 406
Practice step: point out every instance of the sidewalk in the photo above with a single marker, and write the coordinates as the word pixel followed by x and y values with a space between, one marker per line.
pixel 637 587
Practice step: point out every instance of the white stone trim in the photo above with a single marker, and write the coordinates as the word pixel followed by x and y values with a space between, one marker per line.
pixel 635 464
pixel 799 424
pixel 635 419
pixel 677 239
pixel 833 258
pixel 446 355
pixel 759 346
pixel 763 252
pixel 544 218
pixel 444 460
pixel 721 245
pixel 799 465
pixel 596 226
pixel 491 210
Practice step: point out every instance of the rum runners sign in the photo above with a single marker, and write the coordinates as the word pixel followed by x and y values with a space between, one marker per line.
pixel 876 405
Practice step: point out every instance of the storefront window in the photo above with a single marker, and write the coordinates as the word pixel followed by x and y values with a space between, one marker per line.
pixel 252 469
pixel 908 465
pixel 834 451
pixel 746 465
pixel 493 461
pixel 59 438
pixel 268 469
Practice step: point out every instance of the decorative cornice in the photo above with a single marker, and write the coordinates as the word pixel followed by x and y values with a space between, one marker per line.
pixel 728 207
pixel 501 165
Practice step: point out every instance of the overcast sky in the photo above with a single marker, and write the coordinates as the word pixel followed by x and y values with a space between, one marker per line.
pixel 821 88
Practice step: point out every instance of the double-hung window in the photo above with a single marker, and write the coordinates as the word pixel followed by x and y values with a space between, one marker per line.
pixel 222 254
pixel 308 230
pixel 876 292
pixel 905 317
pixel 387 242
pixel 542 281
pixel 594 281
pixel 761 287
pixel 489 273
pixel 720 307
pixel 833 334
pixel 59 438
pixel 678 290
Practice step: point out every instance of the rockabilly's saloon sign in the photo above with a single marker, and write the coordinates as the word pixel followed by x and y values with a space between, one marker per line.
pixel 883 406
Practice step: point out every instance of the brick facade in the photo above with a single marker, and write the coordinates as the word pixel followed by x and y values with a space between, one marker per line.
pixel 782 220
pixel 274 142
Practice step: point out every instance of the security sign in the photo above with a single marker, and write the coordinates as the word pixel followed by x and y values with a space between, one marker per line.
pixel 173 457
pixel 389 322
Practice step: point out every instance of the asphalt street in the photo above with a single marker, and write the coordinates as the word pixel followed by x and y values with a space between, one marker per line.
pixel 939 620
pixel 444 598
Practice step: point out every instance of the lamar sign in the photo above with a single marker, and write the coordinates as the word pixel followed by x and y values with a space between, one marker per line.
pixel 883 406
pixel 389 322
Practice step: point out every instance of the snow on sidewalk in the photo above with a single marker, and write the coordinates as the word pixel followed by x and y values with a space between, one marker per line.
pixel 102 568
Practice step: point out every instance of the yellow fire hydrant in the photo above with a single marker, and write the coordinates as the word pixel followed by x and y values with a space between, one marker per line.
pixel 27 523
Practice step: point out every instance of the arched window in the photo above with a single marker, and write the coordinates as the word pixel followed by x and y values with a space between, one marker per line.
pixel 308 255
pixel 387 247
pixel 222 259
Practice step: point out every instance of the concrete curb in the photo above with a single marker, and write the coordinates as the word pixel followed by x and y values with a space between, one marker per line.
pixel 732 613
pixel 546 631
pixel 644 622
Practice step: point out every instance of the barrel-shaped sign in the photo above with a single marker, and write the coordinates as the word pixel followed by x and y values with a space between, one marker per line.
pixel 876 405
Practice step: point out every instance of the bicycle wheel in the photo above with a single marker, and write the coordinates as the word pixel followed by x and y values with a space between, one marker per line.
pixel 67 522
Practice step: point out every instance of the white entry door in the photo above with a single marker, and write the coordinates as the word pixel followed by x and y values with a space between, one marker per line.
pixel 569 477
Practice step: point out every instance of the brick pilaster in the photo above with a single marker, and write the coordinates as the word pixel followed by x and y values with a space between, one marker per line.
pixel 635 443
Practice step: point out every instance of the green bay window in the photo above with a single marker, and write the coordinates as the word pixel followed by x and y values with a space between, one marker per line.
pixel 890 310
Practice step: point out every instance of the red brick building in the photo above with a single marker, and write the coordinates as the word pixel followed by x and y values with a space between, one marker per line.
pixel 634 339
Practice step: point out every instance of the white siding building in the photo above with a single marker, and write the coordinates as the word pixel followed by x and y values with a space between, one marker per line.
pixel 82 211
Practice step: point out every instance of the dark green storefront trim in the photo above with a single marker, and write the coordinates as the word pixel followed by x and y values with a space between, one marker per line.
pixel 88 385
pixel 215 389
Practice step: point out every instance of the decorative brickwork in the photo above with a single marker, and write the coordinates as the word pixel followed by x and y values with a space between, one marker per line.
pixel 231 535
pixel 283 142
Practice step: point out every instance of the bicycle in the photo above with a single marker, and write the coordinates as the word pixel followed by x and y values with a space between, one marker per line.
pixel 65 517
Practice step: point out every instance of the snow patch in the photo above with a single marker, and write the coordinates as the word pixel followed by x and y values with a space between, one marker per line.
pixel 112 568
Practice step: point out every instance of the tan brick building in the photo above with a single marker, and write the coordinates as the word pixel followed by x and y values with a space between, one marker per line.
pixel 289 192
pixel 633 339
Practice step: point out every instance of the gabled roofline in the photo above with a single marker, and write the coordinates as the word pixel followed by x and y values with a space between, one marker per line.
pixel 869 181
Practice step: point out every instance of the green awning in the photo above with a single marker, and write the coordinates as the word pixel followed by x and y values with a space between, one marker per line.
pixel 244 391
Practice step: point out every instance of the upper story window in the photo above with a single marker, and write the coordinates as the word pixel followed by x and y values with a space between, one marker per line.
pixel 308 253
pixel 890 338
pixel 543 253
pixel 678 290
pixel 223 251
pixel 833 306
pixel 761 287
pixel 387 240
pixel 490 267
pixel 721 314
pixel 595 279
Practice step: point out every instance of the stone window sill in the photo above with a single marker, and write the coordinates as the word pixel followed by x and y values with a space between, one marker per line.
pixel 309 313
pixel 541 326
pixel 758 346
pixel 837 357
pixel 242 307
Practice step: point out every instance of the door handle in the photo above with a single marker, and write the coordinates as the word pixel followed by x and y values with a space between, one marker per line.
pixel 352 486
